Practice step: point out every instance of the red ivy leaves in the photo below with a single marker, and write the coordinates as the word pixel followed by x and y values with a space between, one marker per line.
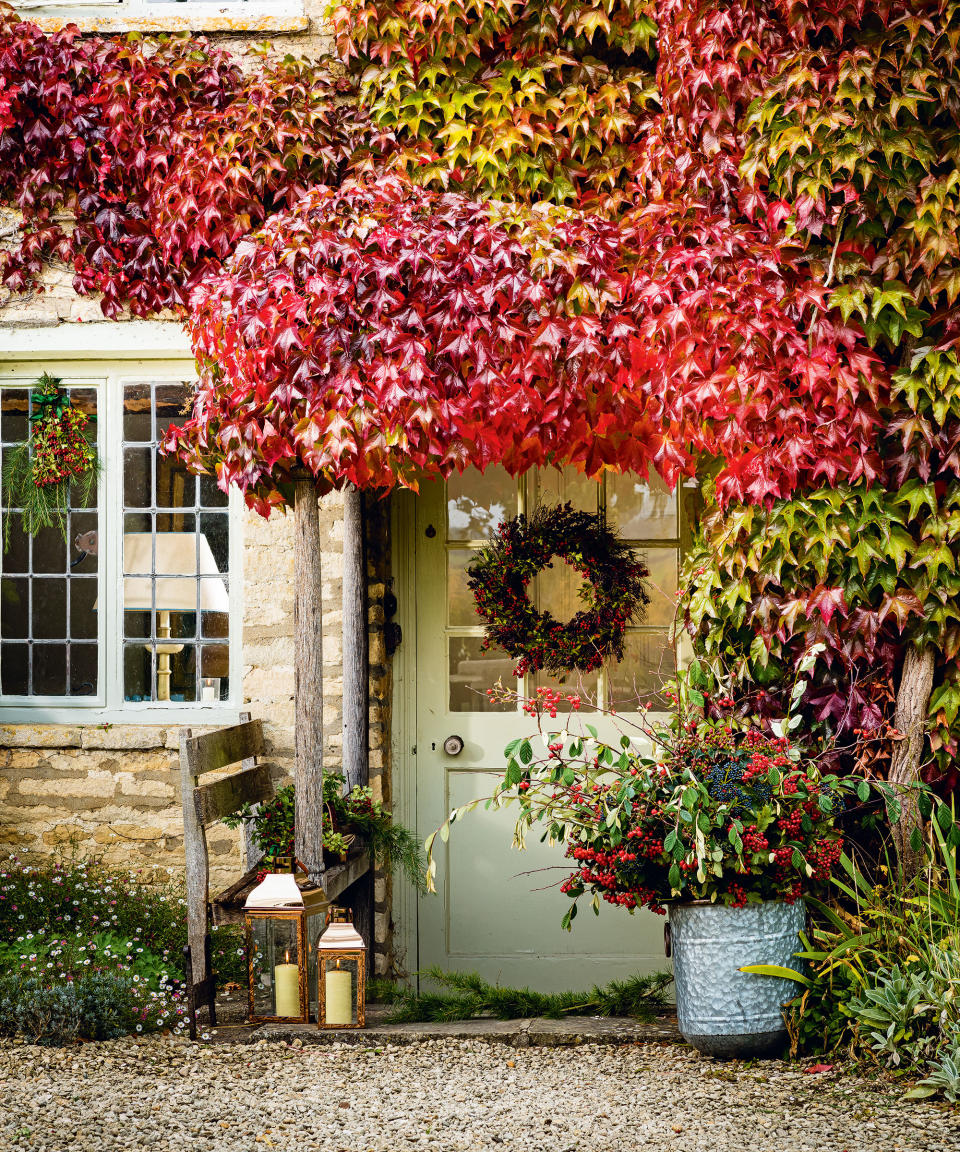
pixel 373 332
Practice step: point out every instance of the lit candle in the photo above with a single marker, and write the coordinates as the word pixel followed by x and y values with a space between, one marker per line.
pixel 208 691
pixel 339 998
pixel 286 979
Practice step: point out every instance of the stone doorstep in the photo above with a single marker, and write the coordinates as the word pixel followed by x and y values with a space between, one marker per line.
pixel 538 1032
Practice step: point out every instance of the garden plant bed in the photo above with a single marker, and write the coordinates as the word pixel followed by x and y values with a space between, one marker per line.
pixel 451 1095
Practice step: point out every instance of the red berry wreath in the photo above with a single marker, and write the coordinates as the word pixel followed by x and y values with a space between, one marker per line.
pixel 522 547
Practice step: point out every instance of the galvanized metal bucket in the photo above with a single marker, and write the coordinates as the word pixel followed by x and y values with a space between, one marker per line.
pixel 721 1010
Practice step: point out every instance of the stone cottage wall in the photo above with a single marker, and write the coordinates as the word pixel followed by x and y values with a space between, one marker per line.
pixel 113 791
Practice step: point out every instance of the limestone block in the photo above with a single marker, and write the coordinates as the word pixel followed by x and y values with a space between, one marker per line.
pixel 111 833
pixel 22 759
pixel 123 737
pixel 39 736
pixel 98 783
pixel 377 649
pixel 64 834
pixel 381 927
pixel 136 785
pixel 12 836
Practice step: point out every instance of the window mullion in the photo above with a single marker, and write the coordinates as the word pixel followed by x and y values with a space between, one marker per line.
pixel 111 520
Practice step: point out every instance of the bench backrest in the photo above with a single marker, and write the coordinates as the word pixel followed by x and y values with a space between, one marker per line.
pixel 204 804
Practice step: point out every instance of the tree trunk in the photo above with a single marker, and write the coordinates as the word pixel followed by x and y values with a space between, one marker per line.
pixel 308 679
pixel 910 717
pixel 356 759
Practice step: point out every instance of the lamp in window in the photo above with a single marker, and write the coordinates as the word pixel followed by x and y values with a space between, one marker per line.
pixel 179 574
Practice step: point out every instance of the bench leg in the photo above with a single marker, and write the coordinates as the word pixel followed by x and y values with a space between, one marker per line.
pixel 211 982
pixel 191 993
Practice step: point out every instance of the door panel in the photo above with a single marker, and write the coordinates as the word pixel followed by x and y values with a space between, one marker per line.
pixel 498 910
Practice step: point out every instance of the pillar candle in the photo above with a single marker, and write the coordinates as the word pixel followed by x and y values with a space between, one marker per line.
pixel 287 984
pixel 339 996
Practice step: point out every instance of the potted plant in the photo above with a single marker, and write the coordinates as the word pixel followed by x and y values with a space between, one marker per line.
pixel 352 818
pixel 722 822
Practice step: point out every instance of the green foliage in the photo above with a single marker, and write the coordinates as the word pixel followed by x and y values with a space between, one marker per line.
pixel 852 574
pixel 470 996
pixel 96 1006
pixel 395 848
pixel 883 965
pixel 508 102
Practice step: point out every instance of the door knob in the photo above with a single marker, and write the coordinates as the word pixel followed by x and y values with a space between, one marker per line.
pixel 453 745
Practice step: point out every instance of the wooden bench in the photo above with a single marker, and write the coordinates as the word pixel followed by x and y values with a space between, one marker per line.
pixel 203 805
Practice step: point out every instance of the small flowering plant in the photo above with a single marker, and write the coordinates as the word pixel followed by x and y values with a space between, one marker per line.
pixel 704 809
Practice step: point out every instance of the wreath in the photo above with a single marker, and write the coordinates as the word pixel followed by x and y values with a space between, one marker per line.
pixel 615 594
pixel 58 451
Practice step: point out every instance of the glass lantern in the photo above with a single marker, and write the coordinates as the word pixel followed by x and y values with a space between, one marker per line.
pixel 341 974
pixel 282 919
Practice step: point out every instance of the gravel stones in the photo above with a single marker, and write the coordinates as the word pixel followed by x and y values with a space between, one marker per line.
pixel 165 1094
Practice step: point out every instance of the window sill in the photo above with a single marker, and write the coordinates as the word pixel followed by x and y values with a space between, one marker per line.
pixel 221 715
pixel 208 18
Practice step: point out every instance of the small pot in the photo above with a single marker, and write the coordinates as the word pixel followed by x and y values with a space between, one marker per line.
pixel 722 1011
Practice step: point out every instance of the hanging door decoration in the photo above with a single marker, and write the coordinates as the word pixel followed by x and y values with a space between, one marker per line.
pixel 615 592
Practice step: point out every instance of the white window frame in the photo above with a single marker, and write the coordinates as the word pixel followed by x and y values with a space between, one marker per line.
pixel 167 15
pixel 108 706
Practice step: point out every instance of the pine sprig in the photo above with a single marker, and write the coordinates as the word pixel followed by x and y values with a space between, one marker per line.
pixel 470 997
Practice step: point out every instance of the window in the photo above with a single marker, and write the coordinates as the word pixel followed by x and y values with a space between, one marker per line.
pixel 132 612
pixel 646 513
pixel 167 15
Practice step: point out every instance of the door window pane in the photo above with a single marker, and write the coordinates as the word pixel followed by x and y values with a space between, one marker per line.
pixel 567 485
pixel 461 606
pixel 649 661
pixel 473 671
pixel 479 502
pixel 641 509
pixel 662 584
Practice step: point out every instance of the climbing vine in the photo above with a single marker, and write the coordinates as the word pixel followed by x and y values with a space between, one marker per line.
pixel 703 237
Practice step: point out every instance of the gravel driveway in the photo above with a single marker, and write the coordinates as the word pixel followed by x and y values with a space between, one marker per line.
pixel 165 1094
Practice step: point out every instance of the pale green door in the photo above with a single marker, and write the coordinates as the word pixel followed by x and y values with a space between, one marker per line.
pixel 498 911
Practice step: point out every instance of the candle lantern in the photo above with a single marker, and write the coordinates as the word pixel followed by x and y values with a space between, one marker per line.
pixel 341 974
pixel 282 920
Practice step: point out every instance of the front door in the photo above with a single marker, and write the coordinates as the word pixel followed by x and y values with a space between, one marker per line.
pixel 498 911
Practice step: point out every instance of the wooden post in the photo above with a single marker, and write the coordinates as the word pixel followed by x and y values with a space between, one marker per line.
pixel 197 867
pixel 356 758
pixel 910 720
pixel 308 680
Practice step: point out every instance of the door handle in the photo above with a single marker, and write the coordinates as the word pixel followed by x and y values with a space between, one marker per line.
pixel 453 745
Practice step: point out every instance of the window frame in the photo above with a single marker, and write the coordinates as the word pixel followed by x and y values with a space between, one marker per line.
pixel 107 16
pixel 528 494
pixel 108 705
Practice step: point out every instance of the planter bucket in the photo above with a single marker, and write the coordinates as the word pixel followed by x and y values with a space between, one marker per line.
pixel 721 1010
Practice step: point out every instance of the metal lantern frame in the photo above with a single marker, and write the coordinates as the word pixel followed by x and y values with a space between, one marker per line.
pixel 312 903
pixel 328 956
